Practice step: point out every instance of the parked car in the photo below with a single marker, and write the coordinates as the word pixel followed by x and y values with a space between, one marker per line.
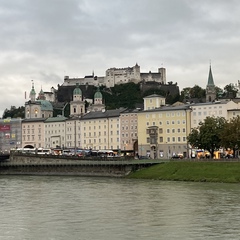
pixel 178 156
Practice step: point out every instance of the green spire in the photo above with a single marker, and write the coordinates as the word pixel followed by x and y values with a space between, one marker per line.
pixel 210 78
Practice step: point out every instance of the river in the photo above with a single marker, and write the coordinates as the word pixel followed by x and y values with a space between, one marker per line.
pixel 54 207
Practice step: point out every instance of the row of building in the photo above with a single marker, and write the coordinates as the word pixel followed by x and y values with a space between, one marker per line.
pixel 157 130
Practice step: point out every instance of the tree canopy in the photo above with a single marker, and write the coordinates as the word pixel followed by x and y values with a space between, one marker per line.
pixel 14 112
pixel 230 136
pixel 208 135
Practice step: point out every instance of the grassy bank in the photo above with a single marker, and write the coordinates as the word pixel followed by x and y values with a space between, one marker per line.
pixel 228 172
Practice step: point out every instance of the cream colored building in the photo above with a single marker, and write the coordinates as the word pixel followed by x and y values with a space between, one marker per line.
pixel 154 101
pixel 73 133
pixel 220 108
pixel 36 112
pixel 163 131
pixel 33 133
pixel 128 131
pixel 55 132
pixel 101 130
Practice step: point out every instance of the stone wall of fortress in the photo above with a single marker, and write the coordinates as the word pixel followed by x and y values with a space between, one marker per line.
pixel 115 76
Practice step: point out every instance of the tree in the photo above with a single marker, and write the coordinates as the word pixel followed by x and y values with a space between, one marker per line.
pixel 14 112
pixel 230 91
pixel 194 92
pixel 230 135
pixel 208 135
pixel 197 92
pixel 219 92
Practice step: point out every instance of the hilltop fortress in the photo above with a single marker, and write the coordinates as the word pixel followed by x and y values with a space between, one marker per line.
pixel 116 76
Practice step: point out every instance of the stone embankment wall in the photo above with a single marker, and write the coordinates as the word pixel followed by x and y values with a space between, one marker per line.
pixel 54 165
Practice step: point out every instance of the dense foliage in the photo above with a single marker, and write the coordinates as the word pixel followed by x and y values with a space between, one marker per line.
pixel 124 95
pixel 14 112
pixel 230 135
pixel 216 132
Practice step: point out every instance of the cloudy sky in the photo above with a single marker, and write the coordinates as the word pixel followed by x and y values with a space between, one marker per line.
pixel 44 40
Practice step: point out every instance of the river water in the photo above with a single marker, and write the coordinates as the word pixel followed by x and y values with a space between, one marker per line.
pixel 54 207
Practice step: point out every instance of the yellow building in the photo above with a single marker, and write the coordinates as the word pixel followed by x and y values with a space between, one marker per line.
pixel 163 130
pixel 101 130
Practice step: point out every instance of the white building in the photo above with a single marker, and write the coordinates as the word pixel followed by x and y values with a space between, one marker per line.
pixel 212 109
pixel 55 132
pixel 115 76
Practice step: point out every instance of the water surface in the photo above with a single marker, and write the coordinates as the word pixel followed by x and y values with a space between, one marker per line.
pixel 52 207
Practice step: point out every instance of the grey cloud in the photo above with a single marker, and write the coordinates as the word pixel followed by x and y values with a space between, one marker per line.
pixel 47 39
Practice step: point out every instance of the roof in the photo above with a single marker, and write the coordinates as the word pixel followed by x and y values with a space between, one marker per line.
pixel 45 105
pixel 210 78
pixel 168 108
pixel 98 94
pixel 103 114
pixel 56 119
pixel 33 120
pixel 225 101
pixel 154 96
pixel 77 90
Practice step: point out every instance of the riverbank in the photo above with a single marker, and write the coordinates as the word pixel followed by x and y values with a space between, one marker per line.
pixel 227 172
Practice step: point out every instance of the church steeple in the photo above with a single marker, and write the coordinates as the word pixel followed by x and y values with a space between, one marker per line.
pixel 41 95
pixel 32 95
pixel 210 78
pixel 210 89
pixel 77 105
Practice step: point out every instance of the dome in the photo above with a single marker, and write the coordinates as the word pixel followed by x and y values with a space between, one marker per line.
pixel 45 105
pixel 98 94
pixel 77 90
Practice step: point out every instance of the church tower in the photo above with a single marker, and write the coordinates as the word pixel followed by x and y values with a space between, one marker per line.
pixel 32 94
pixel 97 102
pixel 77 105
pixel 210 89
pixel 41 95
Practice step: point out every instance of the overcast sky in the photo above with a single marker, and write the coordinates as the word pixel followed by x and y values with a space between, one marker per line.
pixel 44 40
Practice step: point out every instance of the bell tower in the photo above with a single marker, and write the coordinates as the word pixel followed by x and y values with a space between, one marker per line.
pixel 210 89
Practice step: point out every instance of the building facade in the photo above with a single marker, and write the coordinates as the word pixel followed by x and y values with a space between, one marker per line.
pixel 10 134
pixel 55 132
pixel 163 131
pixel 115 76
pixel 128 131
pixel 101 130
pixel 212 109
